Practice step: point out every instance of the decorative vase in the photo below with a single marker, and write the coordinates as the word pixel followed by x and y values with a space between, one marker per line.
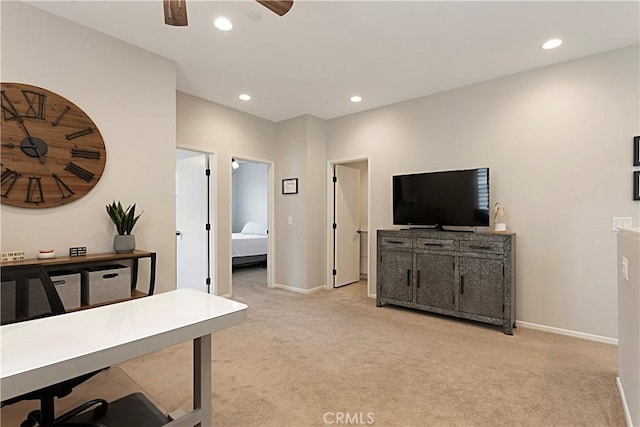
pixel 500 219
pixel 124 243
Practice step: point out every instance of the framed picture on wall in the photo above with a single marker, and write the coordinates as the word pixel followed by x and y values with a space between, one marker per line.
pixel 636 151
pixel 636 185
pixel 290 186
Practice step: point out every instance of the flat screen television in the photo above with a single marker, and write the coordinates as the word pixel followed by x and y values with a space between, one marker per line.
pixel 449 198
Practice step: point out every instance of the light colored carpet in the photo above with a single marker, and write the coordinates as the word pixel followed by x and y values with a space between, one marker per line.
pixel 314 360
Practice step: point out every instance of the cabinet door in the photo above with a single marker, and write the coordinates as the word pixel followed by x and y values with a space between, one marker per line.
pixel 481 286
pixel 396 275
pixel 435 280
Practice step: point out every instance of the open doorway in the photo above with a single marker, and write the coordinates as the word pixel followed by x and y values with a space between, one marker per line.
pixel 249 224
pixel 194 243
pixel 349 219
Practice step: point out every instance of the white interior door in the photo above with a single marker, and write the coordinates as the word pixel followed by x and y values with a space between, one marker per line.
pixel 347 215
pixel 191 218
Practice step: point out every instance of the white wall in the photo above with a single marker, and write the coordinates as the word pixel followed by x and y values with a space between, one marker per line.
pixel 558 142
pixel 249 195
pixel 134 109
pixel 209 127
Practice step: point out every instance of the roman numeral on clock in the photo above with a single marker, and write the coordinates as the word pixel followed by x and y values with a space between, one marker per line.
pixel 80 133
pixel 9 178
pixel 35 104
pixel 57 120
pixel 34 190
pixel 8 110
pixel 79 171
pixel 64 189
pixel 85 154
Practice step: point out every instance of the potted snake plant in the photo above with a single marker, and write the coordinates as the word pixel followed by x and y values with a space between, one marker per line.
pixel 124 220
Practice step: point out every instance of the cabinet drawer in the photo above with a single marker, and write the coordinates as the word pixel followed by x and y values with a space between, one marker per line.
pixel 397 242
pixel 481 247
pixel 437 244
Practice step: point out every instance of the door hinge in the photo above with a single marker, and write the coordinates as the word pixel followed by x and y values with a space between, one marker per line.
pixel 335 179
pixel 208 281
pixel 335 225
pixel 207 227
pixel 207 172
pixel 334 272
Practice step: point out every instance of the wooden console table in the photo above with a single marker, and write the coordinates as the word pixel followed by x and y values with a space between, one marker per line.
pixel 53 264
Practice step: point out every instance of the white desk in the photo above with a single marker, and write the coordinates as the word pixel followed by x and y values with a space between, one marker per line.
pixel 42 352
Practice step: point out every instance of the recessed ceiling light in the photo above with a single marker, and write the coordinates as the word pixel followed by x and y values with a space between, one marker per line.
pixel 223 24
pixel 552 44
pixel 356 98
pixel 245 97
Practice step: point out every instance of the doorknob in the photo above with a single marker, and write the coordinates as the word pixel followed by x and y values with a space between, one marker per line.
pixel 178 233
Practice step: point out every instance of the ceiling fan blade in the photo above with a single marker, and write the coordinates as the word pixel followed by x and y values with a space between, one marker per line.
pixel 175 12
pixel 280 7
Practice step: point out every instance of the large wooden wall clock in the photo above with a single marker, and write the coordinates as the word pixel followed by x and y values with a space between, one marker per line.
pixel 52 153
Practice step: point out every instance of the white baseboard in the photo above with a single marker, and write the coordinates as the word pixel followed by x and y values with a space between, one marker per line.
pixel 625 407
pixel 568 332
pixel 299 290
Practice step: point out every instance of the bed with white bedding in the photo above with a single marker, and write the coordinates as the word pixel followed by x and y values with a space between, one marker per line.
pixel 250 245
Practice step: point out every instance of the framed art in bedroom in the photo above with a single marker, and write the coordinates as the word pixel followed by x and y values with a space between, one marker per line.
pixel 290 186
pixel 636 185
pixel 636 151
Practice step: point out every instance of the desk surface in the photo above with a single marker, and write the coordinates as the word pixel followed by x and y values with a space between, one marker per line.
pixel 41 352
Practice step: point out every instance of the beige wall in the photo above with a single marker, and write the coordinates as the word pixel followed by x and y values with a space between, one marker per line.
pixel 629 323
pixel 301 245
pixel 134 109
pixel 363 166
pixel 291 239
pixel 316 176
pixel 558 142
pixel 203 125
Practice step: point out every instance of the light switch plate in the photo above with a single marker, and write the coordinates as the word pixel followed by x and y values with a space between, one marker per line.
pixel 620 222
pixel 625 268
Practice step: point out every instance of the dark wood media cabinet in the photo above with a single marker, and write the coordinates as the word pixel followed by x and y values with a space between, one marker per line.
pixel 462 274
pixel 54 264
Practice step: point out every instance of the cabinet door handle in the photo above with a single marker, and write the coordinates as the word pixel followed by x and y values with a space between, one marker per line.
pixel 479 247
pixel 408 277
pixel 418 279
pixel 395 242
pixel 434 244
pixel 461 285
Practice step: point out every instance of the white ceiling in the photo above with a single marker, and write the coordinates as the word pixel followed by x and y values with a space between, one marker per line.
pixel 319 54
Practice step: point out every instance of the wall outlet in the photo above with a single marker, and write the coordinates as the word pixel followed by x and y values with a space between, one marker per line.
pixel 12 256
pixel 620 222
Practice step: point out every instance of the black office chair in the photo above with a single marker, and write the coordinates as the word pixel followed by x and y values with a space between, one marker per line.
pixel 28 293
